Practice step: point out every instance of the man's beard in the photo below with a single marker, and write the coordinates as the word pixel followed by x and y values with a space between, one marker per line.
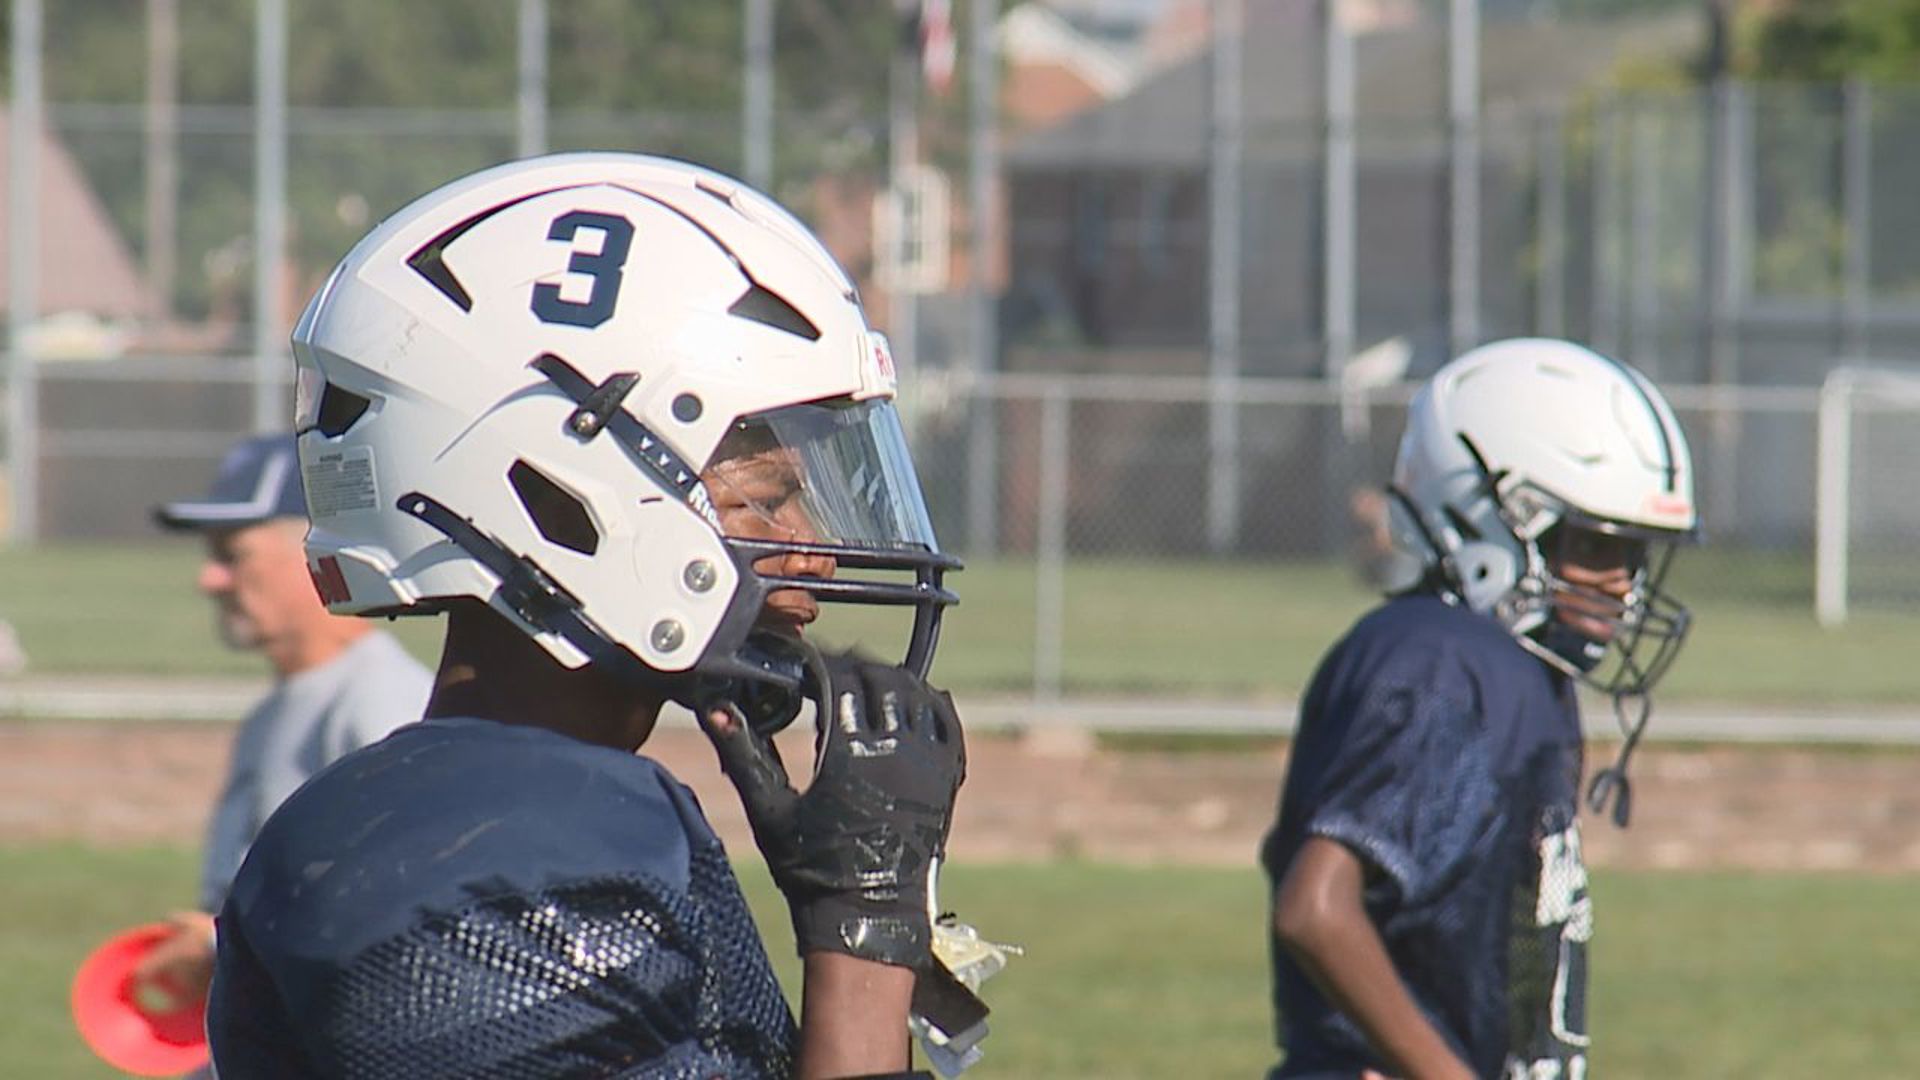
pixel 236 628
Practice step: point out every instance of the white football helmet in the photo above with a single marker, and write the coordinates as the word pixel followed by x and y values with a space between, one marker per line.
pixel 508 392
pixel 1518 437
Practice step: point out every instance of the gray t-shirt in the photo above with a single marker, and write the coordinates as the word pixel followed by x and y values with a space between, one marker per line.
pixel 308 720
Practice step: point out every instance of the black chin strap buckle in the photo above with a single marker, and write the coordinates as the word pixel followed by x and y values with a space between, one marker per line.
pixel 1608 784
pixel 785 674
pixel 1611 783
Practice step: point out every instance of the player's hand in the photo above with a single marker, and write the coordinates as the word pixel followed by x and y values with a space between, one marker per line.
pixel 855 853
pixel 176 972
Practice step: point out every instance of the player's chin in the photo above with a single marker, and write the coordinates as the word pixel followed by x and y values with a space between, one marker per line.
pixel 789 611
pixel 1591 627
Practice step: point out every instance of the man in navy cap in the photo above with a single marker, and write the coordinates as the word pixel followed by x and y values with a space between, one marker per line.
pixel 339 683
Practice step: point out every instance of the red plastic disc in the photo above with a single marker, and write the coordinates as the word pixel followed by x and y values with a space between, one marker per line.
pixel 158 1043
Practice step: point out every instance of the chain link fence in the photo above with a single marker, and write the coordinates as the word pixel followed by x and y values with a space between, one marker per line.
pixel 1073 393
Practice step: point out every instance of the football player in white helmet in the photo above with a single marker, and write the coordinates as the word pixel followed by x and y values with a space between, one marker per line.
pixel 1430 912
pixel 624 421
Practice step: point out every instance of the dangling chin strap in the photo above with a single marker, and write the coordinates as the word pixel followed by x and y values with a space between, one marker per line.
pixel 526 588
pixel 1611 782
pixel 820 687
pixel 797 672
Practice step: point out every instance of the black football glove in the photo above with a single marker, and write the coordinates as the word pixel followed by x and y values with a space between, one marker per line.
pixel 854 854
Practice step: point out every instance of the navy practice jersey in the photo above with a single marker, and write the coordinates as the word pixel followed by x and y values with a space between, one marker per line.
pixel 1447 758
pixel 470 899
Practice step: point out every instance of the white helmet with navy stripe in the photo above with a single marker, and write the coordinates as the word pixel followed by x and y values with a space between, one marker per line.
pixel 1517 437
pixel 508 391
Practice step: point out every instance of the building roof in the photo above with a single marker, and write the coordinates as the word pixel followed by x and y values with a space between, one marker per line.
pixel 1053 71
pixel 1400 85
pixel 1032 35
pixel 85 264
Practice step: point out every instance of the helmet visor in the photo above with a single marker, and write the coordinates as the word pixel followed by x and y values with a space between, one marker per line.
pixel 819 502
pixel 836 474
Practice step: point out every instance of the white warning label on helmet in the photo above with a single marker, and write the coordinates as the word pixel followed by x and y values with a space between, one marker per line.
pixel 341 482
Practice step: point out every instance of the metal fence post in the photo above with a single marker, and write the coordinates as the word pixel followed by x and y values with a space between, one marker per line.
pixel 23 269
pixel 1744 148
pixel 1463 175
pixel 163 150
pixel 1337 194
pixel 1227 139
pixel 1728 186
pixel 531 99
pixel 1833 463
pixel 756 94
pixel 1050 545
pixel 1346 442
pixel 983 459
pixel 1643 202
pixel 1856 210
pixel 903 154
pixel 1605 291
pixel 271 410
pixel 1550 223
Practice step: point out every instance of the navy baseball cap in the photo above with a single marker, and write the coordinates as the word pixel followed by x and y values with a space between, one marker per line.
pixel 259 479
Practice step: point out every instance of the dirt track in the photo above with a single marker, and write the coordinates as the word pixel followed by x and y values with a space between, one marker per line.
pixel 1058 794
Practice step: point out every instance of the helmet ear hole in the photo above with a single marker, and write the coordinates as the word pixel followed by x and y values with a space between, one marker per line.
pixel 339 410
pixel 1486 572
pixel 556 512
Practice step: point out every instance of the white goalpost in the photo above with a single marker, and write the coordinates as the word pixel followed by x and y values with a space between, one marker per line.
pixel 1868 449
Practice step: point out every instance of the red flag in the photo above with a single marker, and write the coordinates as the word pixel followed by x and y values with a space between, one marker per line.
pixel 936 44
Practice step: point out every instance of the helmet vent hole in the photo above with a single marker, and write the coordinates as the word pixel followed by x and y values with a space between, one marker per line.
pixel 556 512
pixel 339 410
pixel 764 306
pixel 429 261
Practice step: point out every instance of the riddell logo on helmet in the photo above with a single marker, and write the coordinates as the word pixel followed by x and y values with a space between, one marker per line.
pixel 329 581
pixel 878 376
pixel 1668 505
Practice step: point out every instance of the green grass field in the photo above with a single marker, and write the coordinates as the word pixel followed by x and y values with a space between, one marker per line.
pixel 1228 630
pixel 1154 973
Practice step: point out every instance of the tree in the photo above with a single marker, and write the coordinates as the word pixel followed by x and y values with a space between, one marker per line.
pixel 1830 40
pixel 647 75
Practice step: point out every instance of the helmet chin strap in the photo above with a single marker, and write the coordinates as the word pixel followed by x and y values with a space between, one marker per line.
pixel 1578 650
pixel 1611 782
pixel 1631 711
pixel 799 673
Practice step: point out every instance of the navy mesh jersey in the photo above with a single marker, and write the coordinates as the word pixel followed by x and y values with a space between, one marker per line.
pixel 469 899
pixel 1448 759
